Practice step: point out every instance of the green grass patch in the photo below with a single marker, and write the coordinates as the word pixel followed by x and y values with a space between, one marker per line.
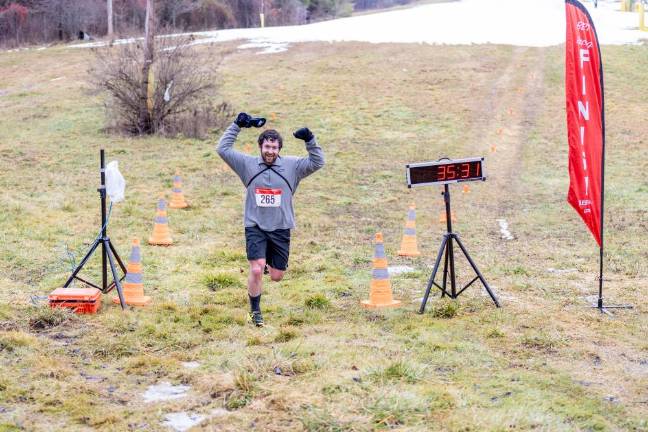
pixel 219 281
pixel 400 370
pixel 445 309
pixel 44 317
pixel 286 334
pixel 317 301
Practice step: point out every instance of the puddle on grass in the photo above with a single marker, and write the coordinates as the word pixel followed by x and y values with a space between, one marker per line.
pixel 165 391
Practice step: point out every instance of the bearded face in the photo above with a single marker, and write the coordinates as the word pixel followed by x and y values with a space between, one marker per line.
pixel 269 151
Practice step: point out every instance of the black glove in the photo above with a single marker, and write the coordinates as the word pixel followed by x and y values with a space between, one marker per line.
pixel 257 122
pixel 303 134
pixel 243 120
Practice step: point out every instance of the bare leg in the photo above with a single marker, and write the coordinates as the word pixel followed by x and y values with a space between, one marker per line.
pixel 276 275
pixel 255 278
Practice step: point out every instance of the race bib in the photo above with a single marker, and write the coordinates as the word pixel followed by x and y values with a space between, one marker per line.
pixel 268 197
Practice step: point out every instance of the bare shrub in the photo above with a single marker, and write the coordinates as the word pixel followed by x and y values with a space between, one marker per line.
pixel 182 87
pixel 199 122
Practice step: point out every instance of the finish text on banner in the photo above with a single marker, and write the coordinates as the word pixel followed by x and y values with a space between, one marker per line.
pixel 585 117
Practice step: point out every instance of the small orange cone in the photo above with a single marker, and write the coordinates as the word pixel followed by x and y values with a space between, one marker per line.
pixel 133 287
pixel 443 219
pixel 177 198
pixel 247 149
pixel 493 148
pixel 380 294
pixel 408 244
pixel 161 236
pixel 273 116
pixel 466 189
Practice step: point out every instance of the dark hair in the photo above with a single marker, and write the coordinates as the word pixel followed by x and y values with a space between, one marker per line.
pixel 270 135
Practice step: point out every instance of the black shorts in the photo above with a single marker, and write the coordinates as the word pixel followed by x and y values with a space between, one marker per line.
pixel 274 246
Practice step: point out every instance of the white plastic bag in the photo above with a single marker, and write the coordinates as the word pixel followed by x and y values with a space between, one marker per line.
pixel 115 183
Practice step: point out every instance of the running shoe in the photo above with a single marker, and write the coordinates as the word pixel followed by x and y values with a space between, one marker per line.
pixel 256 318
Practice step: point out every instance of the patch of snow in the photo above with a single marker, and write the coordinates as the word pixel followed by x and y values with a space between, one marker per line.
pixel 504 229
pixel 268 47
pixel 165 391
pixel 399 269
pixel 182 421
pixel 219 412
pixel 561 271
pixel 191 364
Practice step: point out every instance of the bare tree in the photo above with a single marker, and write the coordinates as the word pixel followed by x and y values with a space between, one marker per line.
pixel 110 18
pixel 182 99
pixel 145 124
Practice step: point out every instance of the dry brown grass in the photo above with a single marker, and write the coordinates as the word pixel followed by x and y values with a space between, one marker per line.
pixel 544 361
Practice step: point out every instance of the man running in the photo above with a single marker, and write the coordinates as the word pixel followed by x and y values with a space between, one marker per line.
pixel 271 181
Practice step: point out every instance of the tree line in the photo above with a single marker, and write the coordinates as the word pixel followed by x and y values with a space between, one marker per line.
pixel 44 21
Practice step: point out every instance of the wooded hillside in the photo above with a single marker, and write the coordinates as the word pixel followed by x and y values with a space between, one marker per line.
pixel 41 21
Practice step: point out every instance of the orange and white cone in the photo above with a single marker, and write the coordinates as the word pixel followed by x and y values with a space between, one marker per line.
pixel 161 236
pixel 380 294
pixel 133 285
pixel 408 244
pixel 443 218
pixel 177 198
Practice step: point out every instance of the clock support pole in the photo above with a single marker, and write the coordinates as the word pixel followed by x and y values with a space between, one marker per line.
pixel 446 249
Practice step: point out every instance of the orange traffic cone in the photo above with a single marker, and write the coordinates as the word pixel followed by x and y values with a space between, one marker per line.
pixel 408 244
pixel 161 234
pixel 177 199
pixel 466 189
pixel 247 149
pixel 443 218
pixel 380 294
pixel 133 287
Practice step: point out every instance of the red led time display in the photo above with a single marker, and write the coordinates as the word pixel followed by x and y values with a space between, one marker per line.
pixel 445 171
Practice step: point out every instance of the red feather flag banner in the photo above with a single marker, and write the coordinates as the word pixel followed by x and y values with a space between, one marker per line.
pixel 586 125
pixel 585 118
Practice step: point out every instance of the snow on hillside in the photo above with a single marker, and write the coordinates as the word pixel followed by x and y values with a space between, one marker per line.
pixel 515 22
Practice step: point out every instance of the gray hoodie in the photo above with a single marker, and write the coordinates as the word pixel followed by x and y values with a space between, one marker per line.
pixel 270 190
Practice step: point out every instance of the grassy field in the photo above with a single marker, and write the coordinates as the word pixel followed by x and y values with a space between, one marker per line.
pixel 544 361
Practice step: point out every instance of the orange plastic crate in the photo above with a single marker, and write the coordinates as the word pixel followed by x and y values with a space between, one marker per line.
pixel 81 300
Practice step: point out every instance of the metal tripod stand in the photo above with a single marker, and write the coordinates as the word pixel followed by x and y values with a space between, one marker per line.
pixel 449 263
pixel 108 253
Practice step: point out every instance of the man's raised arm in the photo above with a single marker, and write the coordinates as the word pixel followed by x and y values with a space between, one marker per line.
pixel 315 159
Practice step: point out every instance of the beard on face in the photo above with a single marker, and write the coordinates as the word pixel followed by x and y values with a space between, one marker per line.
pixel 269 157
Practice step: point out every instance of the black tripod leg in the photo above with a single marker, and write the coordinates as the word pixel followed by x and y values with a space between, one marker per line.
pixel 116 255
pixel 445 273
pixel 474 266
pixel 81 264
pixel 116 278
pixel 433 275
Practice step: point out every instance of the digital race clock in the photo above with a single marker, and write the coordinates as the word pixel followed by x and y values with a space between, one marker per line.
pixel 445 171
